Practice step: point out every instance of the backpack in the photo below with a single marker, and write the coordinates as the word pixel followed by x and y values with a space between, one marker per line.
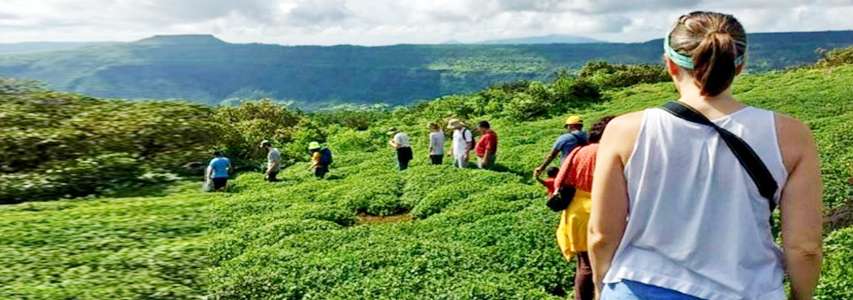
pixel 466 136
pixel 326 157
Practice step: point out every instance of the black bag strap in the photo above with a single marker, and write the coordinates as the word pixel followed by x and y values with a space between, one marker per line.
pixel 750 161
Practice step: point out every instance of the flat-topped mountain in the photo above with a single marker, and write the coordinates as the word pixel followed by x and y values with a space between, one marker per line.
pixel 181 39
pixel 205 69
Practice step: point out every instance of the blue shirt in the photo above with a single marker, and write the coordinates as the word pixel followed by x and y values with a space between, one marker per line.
pixel 219 166
pixel 568 141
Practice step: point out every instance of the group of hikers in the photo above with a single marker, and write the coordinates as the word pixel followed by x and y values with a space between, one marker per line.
pixel 672 202
pixel 462 143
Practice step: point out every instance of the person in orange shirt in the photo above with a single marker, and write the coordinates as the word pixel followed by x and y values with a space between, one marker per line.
pixel 576 170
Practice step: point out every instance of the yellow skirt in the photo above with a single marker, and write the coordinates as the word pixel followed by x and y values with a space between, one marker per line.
pixel 572 231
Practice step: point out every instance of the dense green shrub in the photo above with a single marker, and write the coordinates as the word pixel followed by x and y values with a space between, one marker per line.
pixel 836 273
pixel 609 76
pixel 836 57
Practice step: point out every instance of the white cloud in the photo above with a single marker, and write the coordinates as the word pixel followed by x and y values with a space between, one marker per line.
pixel 376 22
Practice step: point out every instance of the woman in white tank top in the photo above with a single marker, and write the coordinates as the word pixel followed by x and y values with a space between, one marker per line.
pixel 674 214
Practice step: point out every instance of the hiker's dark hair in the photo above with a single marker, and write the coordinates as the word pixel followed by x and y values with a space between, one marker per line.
pixel 714 41
pixel 598 129
pixel 552 171
pixel 484 124
pixel 217 153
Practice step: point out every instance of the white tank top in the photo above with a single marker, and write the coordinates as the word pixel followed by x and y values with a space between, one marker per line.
pixel 696 222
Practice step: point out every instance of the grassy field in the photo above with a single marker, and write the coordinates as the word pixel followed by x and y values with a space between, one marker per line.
pixel 475 234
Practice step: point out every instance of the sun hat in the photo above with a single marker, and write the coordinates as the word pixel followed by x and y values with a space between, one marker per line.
pixel 265 142
pixel 391 131
pixel 313 146
pixel 453 123
pixel 574 120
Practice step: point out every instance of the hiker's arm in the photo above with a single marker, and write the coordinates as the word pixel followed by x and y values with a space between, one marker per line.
pixel 548 159
pixel 801 210
pixel 208 172
pixel 609 212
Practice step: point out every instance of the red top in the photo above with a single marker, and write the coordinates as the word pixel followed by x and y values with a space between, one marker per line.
pixel 488 143
pixel 577 170
pixel 549 184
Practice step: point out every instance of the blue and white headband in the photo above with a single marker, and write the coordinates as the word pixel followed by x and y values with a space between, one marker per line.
pixel 685 61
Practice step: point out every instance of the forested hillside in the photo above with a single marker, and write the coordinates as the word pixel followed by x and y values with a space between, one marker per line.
pixel 368 231
pixel 204 69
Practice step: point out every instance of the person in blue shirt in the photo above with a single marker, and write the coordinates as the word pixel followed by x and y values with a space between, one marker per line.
pixel 564 145
pixel 217 171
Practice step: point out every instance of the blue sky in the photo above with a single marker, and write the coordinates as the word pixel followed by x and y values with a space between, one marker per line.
pixel 382 22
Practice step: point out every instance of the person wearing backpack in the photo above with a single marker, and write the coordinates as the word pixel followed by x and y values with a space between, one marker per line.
pixel 463 142
pixel 321 159
pixel 684 194
pixel 565 143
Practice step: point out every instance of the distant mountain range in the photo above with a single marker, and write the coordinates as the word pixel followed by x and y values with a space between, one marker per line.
pixel 205 69
pixel 545 39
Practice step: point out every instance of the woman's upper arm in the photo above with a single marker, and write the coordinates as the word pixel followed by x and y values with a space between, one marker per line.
pixel 801 205
pixel 609 188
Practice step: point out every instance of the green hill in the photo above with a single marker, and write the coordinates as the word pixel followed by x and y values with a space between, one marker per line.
pixel 461 234
pixel 207 70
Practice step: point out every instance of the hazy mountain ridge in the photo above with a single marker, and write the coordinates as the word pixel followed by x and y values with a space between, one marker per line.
pixel 205 69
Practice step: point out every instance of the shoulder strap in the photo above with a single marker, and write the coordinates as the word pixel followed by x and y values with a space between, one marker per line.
pixel 581 141
pixel 750 161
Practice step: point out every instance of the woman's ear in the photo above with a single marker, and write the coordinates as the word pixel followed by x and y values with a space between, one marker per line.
pixel 671 67
pixel 739 68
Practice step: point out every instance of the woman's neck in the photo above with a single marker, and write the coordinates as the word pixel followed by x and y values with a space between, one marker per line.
pixel 712 107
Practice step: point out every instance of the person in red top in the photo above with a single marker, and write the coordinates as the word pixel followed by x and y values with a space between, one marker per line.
pixel 487 147
pixel 549 182
pixel 577 170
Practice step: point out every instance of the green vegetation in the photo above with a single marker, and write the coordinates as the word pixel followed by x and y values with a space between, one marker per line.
pixel 207 70
pixel 475 234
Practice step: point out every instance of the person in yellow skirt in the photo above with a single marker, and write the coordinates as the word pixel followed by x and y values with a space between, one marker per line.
pixel 576 170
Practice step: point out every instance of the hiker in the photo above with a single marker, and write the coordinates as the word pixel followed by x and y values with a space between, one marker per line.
pixel 487 146
pixel 699 199
pixel 321 159
pixel 576 171
pixel 218 171
pixel 463 142
pixel 551 172
pixel 273 161
pixel 565 143
pixel 436 144
pixel 400 142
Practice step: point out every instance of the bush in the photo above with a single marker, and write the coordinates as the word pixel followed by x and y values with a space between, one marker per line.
pixel 609 76
pixel 835 57
pixel 79 177
pixel 836 273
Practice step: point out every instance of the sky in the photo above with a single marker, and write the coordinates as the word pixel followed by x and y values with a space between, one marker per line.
pixel 384 22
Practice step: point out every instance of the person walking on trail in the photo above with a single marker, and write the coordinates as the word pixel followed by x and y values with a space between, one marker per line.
pixel 400 142
pixel 463 142
pixel 576 170
pixel 218 171
pixel 684 194
pixel 436 144
pixel 548 183
pixel 273 161
pixel 565 143
pixel 321 159
pixel 487 146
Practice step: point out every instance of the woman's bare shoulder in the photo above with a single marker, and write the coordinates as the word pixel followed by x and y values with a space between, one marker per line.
pixel 621 134
pixel 795 139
